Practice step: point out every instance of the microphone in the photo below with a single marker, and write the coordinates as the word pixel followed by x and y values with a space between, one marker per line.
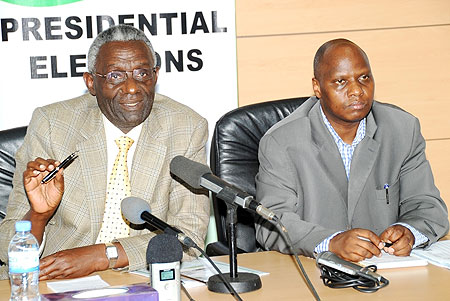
pixel 198 175
pixel 137 211
pixel 164 253
pixel 331 260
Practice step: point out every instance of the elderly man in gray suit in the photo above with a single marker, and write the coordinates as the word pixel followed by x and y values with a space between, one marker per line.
pixel 346 173
pixel 76 216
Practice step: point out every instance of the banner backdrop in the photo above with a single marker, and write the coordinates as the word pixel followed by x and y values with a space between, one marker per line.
pixel 44 45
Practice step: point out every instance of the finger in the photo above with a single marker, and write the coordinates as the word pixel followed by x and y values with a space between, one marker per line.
pixel 47 272
pixel 369 241
pixel 46 261
pixel 35 167
pixel 392 234
pixel 367 249
pixel 403 246
pixel 55 269
pixel 386 234
pixel 354 256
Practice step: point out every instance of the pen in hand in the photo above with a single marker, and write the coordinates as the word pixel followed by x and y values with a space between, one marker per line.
pixel 67 161
pixel 385 244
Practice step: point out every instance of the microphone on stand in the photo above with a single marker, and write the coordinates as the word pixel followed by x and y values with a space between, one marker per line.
pixel 164 253
pixel 137 211
pixel 198 175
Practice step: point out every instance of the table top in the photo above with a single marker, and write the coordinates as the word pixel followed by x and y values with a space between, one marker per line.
pixel 285 282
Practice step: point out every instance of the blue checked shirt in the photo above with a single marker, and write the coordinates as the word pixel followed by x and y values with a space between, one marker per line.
pixel 346 152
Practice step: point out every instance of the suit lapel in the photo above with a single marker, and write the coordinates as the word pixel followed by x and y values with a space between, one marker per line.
pixel 363 161
pixel 328 155
pixel 149 158
pixel 93 160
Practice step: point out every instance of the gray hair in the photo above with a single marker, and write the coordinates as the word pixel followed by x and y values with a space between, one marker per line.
pixel 119 32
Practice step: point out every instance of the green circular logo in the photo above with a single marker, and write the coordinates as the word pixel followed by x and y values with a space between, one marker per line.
pixel 40 3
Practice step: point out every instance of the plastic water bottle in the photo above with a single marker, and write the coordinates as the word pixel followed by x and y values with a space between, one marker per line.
pixel 23 257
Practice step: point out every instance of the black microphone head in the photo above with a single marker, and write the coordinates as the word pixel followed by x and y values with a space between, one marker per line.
pixel 164 248
pixel 132 208
pixel 189 171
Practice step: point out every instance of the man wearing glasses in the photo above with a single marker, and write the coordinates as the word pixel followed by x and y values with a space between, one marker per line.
pixel 125 135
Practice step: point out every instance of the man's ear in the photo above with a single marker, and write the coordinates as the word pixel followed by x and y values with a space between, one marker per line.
pixel 155 79
pixel 316 87
pixel 89 81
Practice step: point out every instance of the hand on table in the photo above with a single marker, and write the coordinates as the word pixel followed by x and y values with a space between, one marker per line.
pixel 401 238
pixel 73 263
pixel 356 244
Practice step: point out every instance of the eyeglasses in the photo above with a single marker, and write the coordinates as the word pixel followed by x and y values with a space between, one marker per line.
pixel 116 77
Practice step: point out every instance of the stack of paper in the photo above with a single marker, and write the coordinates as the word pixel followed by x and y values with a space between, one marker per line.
pixel 387 261
pixel 437 254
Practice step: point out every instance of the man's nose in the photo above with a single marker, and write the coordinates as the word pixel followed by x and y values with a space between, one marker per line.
pixel 130 84
pixel 355 89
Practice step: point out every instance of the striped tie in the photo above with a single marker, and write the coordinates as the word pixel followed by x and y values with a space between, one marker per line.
pixel 113 225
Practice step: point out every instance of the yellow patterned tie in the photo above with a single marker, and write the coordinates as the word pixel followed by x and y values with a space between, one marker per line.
pixel 113 225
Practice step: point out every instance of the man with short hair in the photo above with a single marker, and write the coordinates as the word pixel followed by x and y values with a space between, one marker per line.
pixel 346 173
pixel 126 135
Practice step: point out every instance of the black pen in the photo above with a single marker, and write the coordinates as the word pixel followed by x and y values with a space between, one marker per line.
pixel 387 244
pixel 67 161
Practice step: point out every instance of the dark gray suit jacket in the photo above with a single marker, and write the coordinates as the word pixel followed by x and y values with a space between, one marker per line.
pixel 302 178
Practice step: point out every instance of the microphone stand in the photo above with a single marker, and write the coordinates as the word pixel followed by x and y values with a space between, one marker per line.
pixel 243 282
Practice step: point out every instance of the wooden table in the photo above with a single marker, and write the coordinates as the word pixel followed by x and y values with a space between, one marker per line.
pixel 286 283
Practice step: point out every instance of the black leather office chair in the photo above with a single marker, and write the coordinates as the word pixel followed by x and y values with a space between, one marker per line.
pixel 234 158
pixel 10 140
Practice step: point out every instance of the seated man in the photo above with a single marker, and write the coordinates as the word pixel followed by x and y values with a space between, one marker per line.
pixel 76 216
pixel 346 173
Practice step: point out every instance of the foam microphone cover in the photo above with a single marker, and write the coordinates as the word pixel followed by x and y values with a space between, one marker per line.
pixel 164 248
pixel 189 171
pixel 132 208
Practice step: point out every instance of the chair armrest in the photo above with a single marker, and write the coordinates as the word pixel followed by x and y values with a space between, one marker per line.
pixel 218 248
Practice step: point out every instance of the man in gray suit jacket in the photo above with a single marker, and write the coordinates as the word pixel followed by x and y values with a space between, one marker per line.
pixel 70 209
pixel 346 173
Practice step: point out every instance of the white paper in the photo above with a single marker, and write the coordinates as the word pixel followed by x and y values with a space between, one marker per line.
pixel 437 254
pixel 84 283
pixel 387 261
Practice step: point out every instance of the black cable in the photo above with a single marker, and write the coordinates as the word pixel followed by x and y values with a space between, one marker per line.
pixel 187 293
pixel 363 283
pixel 285 235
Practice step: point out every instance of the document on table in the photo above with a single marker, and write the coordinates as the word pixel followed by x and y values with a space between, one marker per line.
pixel 78 284
pixel 437 254
pixel 387 261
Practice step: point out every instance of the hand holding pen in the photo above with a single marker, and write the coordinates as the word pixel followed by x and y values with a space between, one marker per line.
pixel 45 198
pixel 64 164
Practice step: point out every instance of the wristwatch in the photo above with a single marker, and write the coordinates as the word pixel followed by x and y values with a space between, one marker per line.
pixel 111 254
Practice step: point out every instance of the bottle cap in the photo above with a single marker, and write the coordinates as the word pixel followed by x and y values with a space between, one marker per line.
pixel 22 226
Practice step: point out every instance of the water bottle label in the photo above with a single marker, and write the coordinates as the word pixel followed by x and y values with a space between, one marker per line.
pixel 23 262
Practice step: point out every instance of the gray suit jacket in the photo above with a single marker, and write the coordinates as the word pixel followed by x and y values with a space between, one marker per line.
pixel 58 129
pixel 302 178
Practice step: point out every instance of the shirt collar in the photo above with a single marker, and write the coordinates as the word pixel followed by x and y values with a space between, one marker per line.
pixel 360 133
pixel 114 132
